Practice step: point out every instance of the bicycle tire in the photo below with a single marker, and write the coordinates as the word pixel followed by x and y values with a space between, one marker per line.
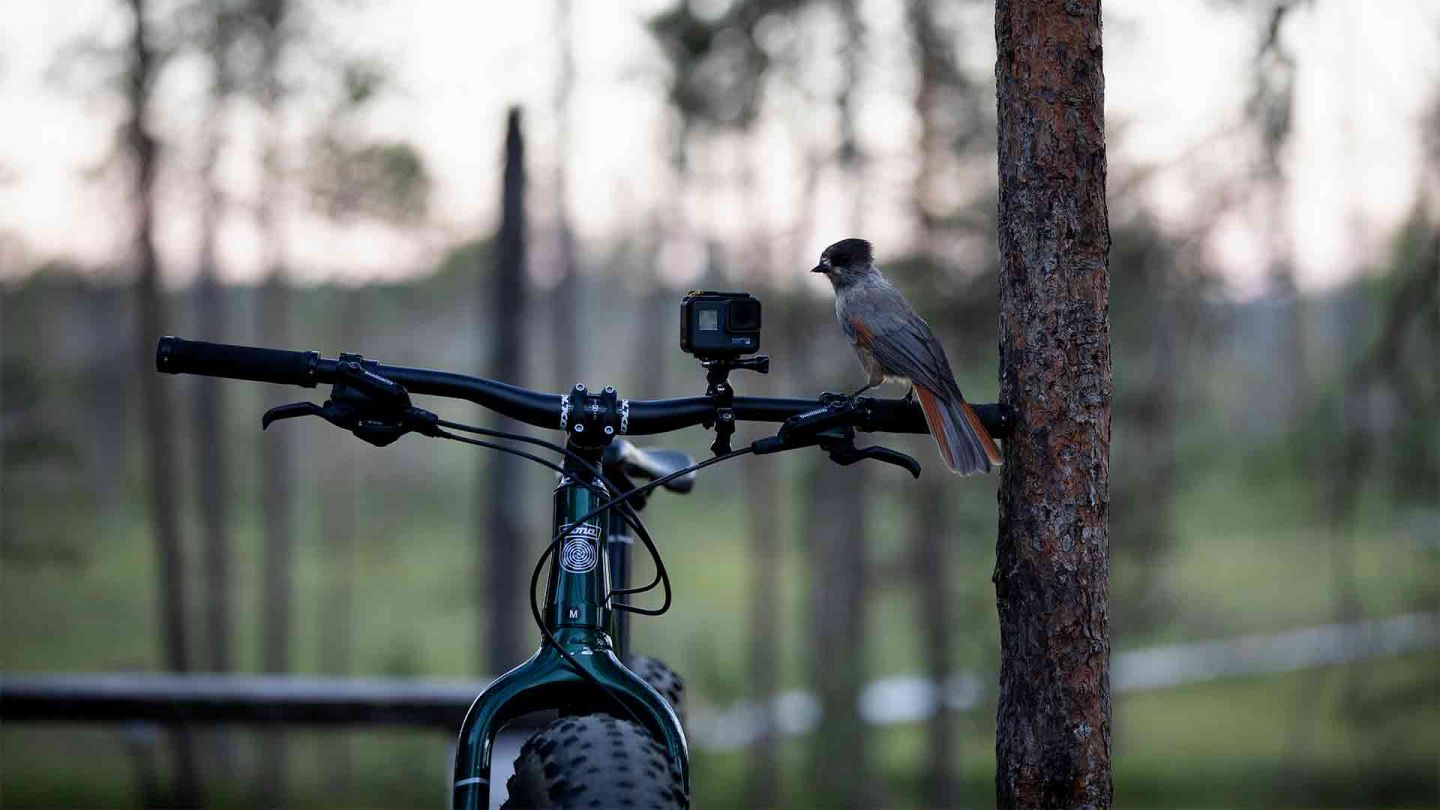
pixel 662 679
pixel 594 762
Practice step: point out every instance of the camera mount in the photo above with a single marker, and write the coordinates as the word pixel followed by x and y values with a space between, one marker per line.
pixel 717 378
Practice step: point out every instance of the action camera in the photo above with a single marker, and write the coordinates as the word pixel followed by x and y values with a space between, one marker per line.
pixel 717 325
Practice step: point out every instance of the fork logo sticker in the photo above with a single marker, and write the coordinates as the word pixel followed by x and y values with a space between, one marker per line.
pixel 581 551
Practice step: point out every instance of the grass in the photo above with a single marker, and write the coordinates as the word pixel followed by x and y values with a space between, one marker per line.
pixel 1248 558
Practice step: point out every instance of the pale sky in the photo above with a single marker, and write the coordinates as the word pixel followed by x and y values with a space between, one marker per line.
pixel 1174 77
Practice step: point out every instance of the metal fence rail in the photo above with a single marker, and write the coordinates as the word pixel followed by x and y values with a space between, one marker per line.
pixel 215 699
pixel 206 698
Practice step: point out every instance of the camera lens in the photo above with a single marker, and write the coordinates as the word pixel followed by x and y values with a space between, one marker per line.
pixel 744 315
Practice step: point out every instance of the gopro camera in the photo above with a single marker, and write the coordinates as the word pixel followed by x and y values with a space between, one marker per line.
pixel 718 325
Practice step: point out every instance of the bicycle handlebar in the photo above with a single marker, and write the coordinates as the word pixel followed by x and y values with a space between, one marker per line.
pixel 177 356
pixel 646 417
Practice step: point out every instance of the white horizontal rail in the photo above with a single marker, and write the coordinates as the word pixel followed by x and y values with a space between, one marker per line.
pixel 904 699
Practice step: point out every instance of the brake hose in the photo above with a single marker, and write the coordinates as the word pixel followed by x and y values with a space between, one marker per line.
pixel 620 502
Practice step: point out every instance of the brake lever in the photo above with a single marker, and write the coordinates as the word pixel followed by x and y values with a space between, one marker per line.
pixel 294 410
pixel 847 454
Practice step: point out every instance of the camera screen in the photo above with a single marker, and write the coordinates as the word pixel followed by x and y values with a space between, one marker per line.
pixel 708 319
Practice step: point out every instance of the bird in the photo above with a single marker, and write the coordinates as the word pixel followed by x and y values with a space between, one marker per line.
pixel 895 344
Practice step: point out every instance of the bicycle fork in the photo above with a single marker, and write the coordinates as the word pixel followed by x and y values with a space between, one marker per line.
pixel 579 615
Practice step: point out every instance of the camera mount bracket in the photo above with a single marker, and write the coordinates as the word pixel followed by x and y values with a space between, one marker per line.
pixel 718 388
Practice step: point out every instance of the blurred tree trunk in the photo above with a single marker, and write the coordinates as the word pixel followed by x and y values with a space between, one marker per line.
pixel 835 527
pixel 500 551
pixel 835 539
pixel 925 500
pixel 143 153
pixel 762 501
pixel 566 296
pixel 931 534
pixel 276 497
pixel 338 519
pixel 1270 107
pixel 762 498
pixel 211 456
pixel 208 406
pixel 1053 727
pixel 107 386
pixel 656 335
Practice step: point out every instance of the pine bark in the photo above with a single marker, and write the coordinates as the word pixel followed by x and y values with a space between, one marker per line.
pixel 143 151
pixel 502 595
pixel 1053 725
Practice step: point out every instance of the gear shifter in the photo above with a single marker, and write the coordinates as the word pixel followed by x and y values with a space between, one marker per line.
pixel 372 407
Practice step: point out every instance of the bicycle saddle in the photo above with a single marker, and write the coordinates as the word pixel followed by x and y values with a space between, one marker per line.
pixel 636 462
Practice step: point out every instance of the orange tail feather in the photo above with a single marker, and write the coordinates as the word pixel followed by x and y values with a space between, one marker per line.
pixel 935 419
pixel 965 445
pixel 992 452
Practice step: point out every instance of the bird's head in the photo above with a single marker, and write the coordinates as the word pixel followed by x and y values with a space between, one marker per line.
pixel 846 262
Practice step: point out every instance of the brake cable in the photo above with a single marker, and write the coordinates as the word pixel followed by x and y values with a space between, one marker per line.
pixel 620 502
pixel 662 577
pixel 534 606
pixel 346 409
pixel 614 502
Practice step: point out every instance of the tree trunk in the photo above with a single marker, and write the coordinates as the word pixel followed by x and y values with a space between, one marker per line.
pixel 338 528
pixel 160 455
pixel 762 498
pixel 1271 104
pixel 566 312
pixel 835 539
pixel 1053 726
pixel 840 774
pixel 108 411
pixel 763 503
pixel 930 535
pixel 212 485
pixel 500 561
pixel 211 456
pixel 276 501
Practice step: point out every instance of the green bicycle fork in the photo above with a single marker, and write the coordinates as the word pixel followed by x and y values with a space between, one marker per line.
pixel 579 616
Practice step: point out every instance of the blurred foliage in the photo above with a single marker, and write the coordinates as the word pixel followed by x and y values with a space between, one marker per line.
pixel 350 176
pixel 386 180
pixel 718 62
pixel 1226 519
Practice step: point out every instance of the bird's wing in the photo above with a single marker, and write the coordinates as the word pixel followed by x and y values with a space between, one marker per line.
pixel 886 325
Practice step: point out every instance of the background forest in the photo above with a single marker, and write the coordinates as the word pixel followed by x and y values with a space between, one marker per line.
pixel 297 180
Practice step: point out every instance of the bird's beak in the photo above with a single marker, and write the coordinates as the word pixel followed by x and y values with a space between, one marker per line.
pixel 819 268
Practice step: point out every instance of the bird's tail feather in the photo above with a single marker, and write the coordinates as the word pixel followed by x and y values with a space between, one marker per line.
pixel 965 445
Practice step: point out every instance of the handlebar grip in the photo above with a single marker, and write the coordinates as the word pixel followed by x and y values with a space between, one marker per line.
pixel 177 356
